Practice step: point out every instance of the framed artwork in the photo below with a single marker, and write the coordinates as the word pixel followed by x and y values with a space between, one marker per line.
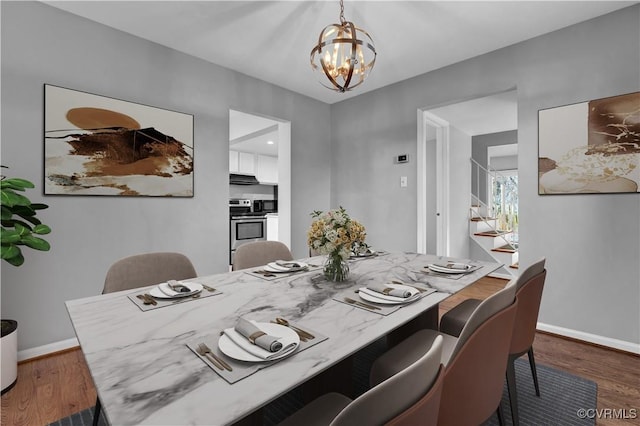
pixel 96 145
pixel 590 147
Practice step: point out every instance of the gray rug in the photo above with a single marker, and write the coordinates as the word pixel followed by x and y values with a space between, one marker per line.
pixel 562 395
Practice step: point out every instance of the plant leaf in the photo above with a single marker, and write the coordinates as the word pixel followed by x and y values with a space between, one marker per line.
pixel 6 213
pixel 7 251
pixel 10 199
pixel 36 243
pixel 9 236
pixel 16 260
pixel 39 206
pixel 18 183
pixel 41 229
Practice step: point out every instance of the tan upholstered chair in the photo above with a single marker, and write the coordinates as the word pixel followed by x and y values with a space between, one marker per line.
pixel 475 361
pixel 529 286
pixel 144 270
pixel 409 398
pixel 260 253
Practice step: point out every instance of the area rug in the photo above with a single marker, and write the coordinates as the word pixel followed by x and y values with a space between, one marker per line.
pixel 563 395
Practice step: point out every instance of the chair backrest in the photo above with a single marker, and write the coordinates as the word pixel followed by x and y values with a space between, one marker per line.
pixel 260 253
pixel 529 295
pixel 486 309
pixel 474 377
pixel 401 398
pixel 147 269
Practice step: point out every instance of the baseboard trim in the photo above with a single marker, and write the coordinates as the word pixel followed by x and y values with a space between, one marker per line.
pixel 608 342
pixel 45 350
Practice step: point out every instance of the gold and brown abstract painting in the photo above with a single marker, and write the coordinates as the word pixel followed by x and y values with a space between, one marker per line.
pixel 590 147
pixel 96 145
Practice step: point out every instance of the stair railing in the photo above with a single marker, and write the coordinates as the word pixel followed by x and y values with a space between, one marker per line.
pixel 505 212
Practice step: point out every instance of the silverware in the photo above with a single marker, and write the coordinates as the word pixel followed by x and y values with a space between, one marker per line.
pixel 147 299
pixel 186 299
pixel 264 273
pixel 209 289
pixel 364 305
pixel 209 352
pixel 302 337
pixel 203 353
pixel 300 331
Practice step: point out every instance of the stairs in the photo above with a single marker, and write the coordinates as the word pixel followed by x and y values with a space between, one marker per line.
pixel 483 230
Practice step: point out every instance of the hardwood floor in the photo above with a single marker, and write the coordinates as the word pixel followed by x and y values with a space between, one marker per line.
pixel 59 385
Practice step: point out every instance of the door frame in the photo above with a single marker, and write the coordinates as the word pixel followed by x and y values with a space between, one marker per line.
pixel 425 118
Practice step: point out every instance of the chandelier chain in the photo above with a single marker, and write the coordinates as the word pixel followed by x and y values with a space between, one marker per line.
pixel 342 20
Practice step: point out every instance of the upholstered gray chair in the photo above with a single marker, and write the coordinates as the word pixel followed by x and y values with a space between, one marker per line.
pixel 144 270
pixel 529 286
pixel 260 253
pixel 409 398
pixel 474 362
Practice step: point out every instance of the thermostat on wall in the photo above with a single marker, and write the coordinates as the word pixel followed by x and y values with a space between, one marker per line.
pixel 402 158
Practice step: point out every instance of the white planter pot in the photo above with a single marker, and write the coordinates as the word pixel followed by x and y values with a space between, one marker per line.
pixel 9 354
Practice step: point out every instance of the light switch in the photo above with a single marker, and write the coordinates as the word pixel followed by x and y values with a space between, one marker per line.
pixel 403 181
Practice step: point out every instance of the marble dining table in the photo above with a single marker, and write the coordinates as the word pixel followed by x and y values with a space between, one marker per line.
pixel 145 372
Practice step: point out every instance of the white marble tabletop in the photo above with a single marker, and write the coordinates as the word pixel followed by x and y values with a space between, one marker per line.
pixel 146 374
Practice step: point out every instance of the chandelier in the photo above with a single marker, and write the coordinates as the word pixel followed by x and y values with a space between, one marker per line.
pixel 344 55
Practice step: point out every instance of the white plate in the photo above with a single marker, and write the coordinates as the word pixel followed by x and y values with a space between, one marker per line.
pixel 444 270
pixel 274 267
pixel 372 296
pixel 365 254
pixel 162 291
pixel 286 334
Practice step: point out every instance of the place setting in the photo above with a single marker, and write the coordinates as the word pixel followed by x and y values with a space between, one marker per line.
pixel 449 269
pixel 383 298
pixel 170 293
pixel 282 268
pixel 239 351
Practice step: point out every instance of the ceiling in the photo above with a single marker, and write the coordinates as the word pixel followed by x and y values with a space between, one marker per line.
pixel 272 40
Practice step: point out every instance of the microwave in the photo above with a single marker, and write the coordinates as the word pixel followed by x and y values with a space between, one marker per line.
pixel 265 206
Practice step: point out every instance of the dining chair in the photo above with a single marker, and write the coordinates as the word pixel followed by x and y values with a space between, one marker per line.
pixel 529 287
pixel 474 363
pixel 260 253
pixel 408 398
pixel 143 270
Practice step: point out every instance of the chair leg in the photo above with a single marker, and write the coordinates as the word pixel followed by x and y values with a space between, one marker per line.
pixel 96 412
pixel 500 415
pixel 513 391
pixel 534 372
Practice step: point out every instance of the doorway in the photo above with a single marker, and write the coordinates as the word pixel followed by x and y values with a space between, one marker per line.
pixel 266 139
pixel 438 223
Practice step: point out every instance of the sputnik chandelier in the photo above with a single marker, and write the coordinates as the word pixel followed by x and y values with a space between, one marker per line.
pixel 344 55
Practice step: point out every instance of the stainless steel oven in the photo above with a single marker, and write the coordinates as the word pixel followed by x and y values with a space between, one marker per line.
pixel 244 225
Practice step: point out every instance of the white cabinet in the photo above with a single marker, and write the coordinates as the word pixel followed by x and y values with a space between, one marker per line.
pixel 233 161
pixel 272 227
pixel 242 162
pixel 267 169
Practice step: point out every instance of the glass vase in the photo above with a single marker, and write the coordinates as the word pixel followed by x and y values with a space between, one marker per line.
pixel 336 268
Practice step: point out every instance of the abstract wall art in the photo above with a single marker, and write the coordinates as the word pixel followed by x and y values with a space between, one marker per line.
pixel 590 147
pixel 97 145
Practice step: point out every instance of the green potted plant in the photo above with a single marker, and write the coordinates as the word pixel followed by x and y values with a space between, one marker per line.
pixel 20 227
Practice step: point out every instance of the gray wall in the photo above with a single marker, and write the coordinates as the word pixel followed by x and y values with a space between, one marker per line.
pixel 42 45
pixel 593 281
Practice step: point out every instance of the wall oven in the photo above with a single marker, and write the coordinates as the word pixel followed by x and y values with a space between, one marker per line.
pixel 244 225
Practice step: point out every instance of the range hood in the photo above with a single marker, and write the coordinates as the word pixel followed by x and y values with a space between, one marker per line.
pixel 238 179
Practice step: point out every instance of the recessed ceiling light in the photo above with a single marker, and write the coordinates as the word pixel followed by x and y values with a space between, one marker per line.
pixel 269 142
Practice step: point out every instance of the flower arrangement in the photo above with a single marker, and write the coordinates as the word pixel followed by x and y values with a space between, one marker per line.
pixel 335 234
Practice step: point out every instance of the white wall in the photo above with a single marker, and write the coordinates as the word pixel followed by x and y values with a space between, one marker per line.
pixel 592 242
pixel 460 190
pixel 42 45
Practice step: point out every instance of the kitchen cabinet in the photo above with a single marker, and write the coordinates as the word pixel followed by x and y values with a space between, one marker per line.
pixel 242 162
pixel 267 169
pixel 272 226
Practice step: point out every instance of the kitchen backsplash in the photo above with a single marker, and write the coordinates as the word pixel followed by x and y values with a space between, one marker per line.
pixel 254 192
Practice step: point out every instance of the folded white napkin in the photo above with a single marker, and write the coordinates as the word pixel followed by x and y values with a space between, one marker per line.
pixel 390 291
pixel 265 347
pixel 453 265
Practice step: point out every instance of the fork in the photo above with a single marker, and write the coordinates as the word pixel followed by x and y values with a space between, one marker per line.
pixel 207 354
